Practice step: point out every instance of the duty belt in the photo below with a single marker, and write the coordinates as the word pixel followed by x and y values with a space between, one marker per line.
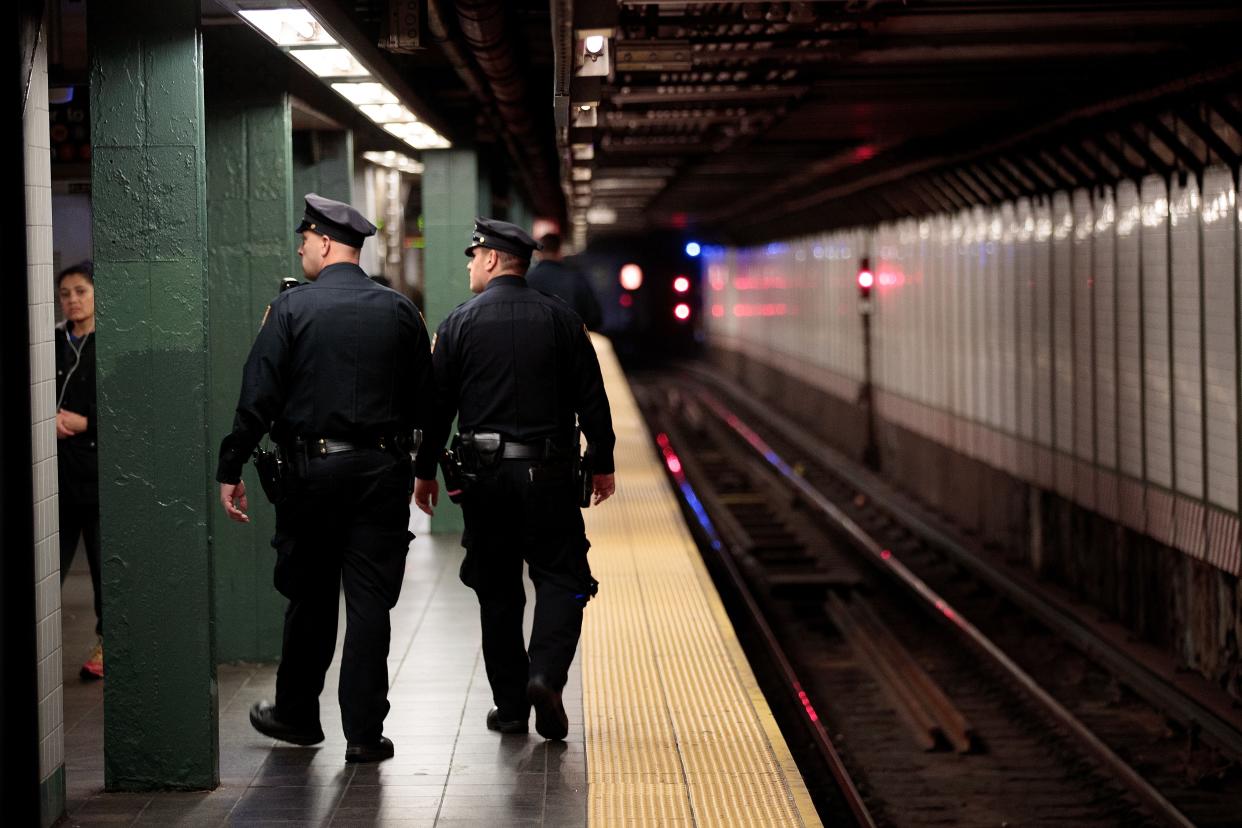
pixel 322 446
pixel 524 451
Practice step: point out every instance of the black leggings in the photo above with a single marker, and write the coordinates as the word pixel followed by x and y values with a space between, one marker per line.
pixel 81 520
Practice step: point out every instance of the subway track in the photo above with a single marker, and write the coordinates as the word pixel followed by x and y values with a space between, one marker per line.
pixel 930 728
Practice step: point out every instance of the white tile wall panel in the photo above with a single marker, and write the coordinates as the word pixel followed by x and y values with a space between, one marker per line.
pixel 1104 311
pixel 37 162
pixel 1186 329
pixel 1024 270
pixel 994 319
pixel 1220 217
pixel 1063 324
pixel 1044 365
pixel 1084 325
pixel 1157 373
pixel 1010 298
pixel 1129 332
pixel 1104 333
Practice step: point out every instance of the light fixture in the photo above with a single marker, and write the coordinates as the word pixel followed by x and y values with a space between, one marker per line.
pixel 288 27
pixel 582 152
pixel 330 63
pixel 388 113
pixel 601 215
pixel 631 276
pixel 308 41
pixel 368 92
pixel 582 173
pixel 591 59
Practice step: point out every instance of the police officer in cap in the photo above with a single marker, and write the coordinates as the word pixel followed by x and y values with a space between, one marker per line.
pixel 340 375
pixel 518 369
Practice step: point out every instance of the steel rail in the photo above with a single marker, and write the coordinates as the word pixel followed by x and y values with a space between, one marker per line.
pixel 888 562
pixel 823 741
pixel 1142 680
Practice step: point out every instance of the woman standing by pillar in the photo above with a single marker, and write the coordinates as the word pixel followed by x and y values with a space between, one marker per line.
pixel 78 458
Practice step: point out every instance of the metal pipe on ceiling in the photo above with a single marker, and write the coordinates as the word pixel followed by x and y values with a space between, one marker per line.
pixel 482 24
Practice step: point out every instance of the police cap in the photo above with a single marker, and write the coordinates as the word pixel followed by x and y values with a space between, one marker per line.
pixel 336 220
pixel 501 235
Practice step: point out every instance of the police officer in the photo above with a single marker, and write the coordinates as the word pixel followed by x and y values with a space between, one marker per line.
pixel 516 366
pixel 553 275
pixel 340 374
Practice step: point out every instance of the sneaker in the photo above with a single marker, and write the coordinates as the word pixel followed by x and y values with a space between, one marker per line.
pixel 92 668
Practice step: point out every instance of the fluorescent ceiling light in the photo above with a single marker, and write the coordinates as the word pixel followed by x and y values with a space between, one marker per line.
pixel 289 27
pixel 388 113
pixel 330 63
pixel 582 173
pixel 601 215
pixel 365 93
pixel 394 161
pixel 418 136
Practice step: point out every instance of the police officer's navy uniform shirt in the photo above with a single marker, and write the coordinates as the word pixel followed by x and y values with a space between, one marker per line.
pixel 341 357
pixel 518 362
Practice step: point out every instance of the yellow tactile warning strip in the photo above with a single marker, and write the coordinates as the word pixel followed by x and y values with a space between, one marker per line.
pixel 677 730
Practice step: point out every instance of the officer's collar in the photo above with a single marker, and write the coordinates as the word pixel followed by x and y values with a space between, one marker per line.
pixel 507 279
pixel 339 271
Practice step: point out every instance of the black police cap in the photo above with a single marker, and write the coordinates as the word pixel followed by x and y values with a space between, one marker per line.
pixel 501 235
pixel 336 220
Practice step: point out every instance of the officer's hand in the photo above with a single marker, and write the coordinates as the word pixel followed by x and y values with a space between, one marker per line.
pixel 603 485
pixel 231 493
pixel 427 495
pixel 69 424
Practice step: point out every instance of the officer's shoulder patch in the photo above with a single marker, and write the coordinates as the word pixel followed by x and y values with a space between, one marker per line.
pixel 266 314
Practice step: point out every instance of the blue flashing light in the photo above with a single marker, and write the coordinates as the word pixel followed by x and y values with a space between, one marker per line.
pixel 693 249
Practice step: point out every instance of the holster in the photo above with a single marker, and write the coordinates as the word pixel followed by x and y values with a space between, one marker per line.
pixel 584 472
pixel 273 474
pixel 455 483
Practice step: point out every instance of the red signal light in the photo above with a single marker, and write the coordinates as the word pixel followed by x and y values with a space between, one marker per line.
pixel 681 284
pixel 682 311
pixel 626 300
pixel 865 278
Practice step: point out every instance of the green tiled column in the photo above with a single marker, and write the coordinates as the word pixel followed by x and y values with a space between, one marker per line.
pixel 250 246
pixel 150 223
pixel 323 162
pixel 453 191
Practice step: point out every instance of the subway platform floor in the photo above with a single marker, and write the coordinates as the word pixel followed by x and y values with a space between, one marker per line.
pixel 448 770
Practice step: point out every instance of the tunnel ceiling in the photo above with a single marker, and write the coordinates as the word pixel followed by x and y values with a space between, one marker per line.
pixel 729 119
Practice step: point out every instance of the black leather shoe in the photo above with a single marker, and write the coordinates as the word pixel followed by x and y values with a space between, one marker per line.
pixel 374 752
pixel 550 719
pixel 263 719
pixel 494 722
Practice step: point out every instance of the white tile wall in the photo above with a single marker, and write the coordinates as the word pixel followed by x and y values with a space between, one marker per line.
pixel 1220 335
pixel 43 401
pixel 1104 289
pixel 1187 331
pixel 1063 323
pixel 1157 373
pixel 1102 326
pixel 1083 297
pixel 1129 332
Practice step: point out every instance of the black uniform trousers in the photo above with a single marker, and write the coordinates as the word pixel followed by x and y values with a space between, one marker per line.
pixel 345 522
pixel 513 515
pixel 80 519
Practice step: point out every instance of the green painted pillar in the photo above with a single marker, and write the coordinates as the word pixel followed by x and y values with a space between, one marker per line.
pixel 250 246
pixel 323 162
pixel 454 192
pixel 155 464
